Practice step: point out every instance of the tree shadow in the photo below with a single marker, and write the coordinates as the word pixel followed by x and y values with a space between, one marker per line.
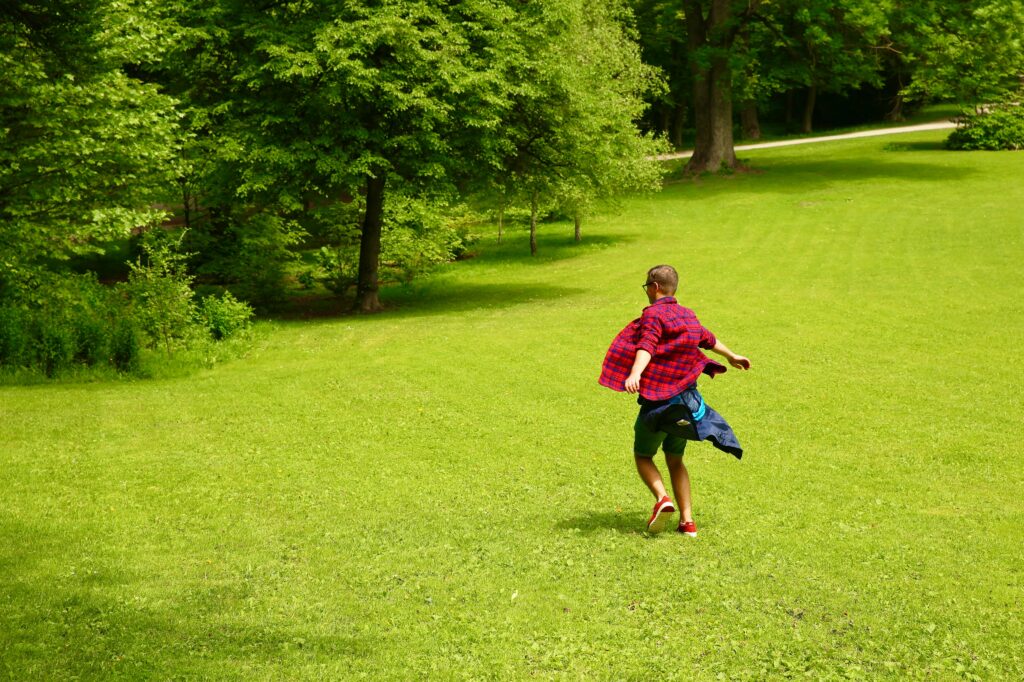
pixel 873 168
pixel 917 146
pixel 551 246
pixel 429 297
pixel 86 623
pixel 447 297
pixel 435 295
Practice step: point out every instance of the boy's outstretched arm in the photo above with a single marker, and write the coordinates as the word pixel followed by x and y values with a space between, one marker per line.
pixel 643 358
pixel 737 361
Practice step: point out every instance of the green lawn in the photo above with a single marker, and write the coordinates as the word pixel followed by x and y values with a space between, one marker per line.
pixel 444 491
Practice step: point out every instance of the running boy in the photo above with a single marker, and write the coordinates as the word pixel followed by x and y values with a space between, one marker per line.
pixel 659 356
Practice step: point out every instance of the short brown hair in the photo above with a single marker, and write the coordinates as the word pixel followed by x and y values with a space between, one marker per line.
pixel 666 277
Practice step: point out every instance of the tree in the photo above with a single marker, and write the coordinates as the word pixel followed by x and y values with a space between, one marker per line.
pixel 661 33
pixel 85 150
pixel 971 52
pixel 338 99
pixel 711 30
pixel 571 128
pixel 822 46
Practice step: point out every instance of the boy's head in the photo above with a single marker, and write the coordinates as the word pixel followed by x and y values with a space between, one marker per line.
pixel 662 280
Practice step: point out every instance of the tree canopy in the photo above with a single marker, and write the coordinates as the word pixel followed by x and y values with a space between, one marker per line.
pixel 85 149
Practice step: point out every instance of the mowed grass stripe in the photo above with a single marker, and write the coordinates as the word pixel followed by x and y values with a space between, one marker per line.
pixel 444 490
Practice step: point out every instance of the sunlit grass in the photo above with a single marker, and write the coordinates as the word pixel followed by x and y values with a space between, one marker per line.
pixel 444 490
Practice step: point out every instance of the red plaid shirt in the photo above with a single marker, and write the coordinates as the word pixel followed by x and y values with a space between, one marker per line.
pixel 673 336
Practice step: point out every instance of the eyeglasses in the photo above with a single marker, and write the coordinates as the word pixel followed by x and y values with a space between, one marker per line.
pixel 644 286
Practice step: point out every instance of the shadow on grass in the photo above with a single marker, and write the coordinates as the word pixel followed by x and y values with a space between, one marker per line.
pixel 447 297
pixel 439 295
pixel 551 246
pixel 88 624
pixel 918 146
pixel 798 175
pixel 627 523
pixel 427 298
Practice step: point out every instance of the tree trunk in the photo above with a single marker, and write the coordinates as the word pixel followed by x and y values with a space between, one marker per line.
pixel 896 112
pixel 808 122
pixel 367 300
pixel 577 219
pixel 187 201
pixel 712 88
pixel 751 125
pixel 501 216
pixel 533 223
pixel 678 123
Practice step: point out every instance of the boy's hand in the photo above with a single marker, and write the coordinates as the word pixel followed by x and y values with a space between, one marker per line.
pixel 632 383
pixel 739 362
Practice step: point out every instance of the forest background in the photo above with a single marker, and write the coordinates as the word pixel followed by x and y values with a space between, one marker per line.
pixel 298 151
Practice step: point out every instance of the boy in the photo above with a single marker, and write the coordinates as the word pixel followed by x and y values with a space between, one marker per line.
pixel 658 356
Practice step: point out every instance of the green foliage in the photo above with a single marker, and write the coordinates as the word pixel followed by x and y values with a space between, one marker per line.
pixel 225 316
pixel 247 253
pixel 83 324
pixel 997 127
pixel 969 51
pixel 160 290
pixel 575 99
pixel 418 234
pixel 85 150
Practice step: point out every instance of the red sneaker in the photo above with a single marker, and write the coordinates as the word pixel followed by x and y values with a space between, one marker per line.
pixel 661 516
pixel 688 528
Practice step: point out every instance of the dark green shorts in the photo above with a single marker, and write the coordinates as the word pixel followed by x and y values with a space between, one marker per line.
pixel 646 442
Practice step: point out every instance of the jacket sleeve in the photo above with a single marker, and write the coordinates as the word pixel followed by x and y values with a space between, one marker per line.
pixel 707 339
pixel 650 331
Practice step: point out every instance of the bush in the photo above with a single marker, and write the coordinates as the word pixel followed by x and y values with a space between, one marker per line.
pixel 83 324
pixel 999 127
pixel 69 322
pixel 225 316
pixel 337 268
pixel 249 254
pixel 56 343
pixel 16 340
pixel 160 291
pixel 125 346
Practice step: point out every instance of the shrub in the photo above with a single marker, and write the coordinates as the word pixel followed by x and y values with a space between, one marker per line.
pixel 225 316
pixel 15 338
pixel 337 268
pixel 82 324
pixel 249 254
pixel 125 346
pixel 1000 126
pixel 160 290
pixel 55 338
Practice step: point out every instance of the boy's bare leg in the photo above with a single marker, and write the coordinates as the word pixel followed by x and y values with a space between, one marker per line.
pixel 651 476
pixel 680 485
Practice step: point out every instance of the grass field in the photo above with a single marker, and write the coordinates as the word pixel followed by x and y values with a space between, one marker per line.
pixel 443 491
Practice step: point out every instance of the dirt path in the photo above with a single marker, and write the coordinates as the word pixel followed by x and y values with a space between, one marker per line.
pixel 938 125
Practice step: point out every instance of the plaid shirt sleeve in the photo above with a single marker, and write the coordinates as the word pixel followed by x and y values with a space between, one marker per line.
pixel 618 361
pixel 707 339
pixel 650 330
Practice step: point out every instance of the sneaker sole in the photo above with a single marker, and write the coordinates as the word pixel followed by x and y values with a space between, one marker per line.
pixel 689 535
pixel 661 521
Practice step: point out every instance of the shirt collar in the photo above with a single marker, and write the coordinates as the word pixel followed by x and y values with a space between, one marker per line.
pixel 664 301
